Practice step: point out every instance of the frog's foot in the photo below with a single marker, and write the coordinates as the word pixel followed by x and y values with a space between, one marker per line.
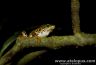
pixel 38 39
pixel 22 36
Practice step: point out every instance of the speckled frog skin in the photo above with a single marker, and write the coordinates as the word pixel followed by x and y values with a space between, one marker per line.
pixel 42 31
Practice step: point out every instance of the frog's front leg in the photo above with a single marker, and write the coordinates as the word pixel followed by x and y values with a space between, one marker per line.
pixel 38 39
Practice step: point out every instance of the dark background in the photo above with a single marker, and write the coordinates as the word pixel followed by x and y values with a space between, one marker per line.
pixel 23 16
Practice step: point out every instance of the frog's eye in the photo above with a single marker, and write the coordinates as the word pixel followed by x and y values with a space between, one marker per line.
pixel 48 25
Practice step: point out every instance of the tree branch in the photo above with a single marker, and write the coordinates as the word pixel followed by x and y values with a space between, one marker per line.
pixel 54 42
pixel 27 58
pixel 75 5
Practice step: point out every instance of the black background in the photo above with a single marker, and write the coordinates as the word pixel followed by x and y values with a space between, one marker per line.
pixel 22 16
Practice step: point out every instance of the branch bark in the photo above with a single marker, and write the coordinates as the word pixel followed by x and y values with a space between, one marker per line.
pixel 75 5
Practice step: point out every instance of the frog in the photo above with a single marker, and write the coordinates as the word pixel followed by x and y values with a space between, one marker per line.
pixel 42 31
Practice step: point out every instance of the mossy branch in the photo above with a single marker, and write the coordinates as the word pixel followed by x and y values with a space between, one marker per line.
pixel 54 42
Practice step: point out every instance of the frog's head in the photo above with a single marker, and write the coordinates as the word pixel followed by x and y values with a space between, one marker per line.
pixel 46 29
